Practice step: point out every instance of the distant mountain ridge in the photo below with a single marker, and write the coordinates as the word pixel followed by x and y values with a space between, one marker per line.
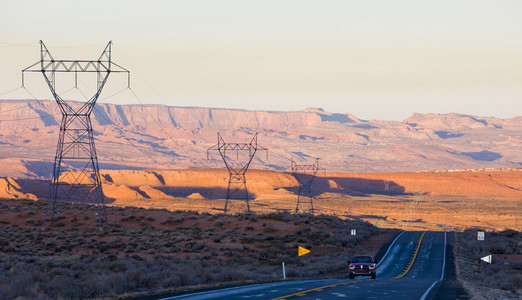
pixel 160 136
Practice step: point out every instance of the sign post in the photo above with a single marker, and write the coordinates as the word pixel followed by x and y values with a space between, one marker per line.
pixel 481 236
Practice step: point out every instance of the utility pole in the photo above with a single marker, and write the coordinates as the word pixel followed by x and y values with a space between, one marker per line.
pixel 237 168
pixel 76 175
pixel 305 175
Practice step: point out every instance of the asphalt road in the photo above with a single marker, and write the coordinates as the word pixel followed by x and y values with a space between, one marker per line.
pixel 411 269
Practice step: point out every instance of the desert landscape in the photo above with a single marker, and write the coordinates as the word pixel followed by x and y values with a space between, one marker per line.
pixel 169 148
pixel 174 218
pixel 430 172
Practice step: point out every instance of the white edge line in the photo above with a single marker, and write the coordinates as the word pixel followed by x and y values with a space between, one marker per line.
pixel 277 283
pixel 208 292
pixel 441 277
pixel 389 248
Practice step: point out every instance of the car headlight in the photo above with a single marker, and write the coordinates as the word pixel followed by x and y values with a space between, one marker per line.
pixel 352 267
pixel 372 266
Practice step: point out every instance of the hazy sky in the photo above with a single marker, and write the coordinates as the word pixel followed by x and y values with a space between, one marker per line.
pixel 375 59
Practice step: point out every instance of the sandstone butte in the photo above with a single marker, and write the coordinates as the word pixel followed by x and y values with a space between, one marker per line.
pixel 212 184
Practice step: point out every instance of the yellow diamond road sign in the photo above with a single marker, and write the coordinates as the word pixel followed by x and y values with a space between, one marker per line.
pixel 302 251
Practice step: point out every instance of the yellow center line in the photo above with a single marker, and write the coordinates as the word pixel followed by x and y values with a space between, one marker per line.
pixel 317 289
pixel 412 260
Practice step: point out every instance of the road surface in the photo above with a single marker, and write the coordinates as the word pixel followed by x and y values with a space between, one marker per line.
pixel 411 269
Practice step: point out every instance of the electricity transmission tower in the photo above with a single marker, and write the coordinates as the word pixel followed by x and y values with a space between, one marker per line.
pixel 305 175
pixel 76 175
pixel 237 167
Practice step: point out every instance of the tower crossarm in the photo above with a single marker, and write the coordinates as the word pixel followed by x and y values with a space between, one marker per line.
pixel 47 64
pixel 75 66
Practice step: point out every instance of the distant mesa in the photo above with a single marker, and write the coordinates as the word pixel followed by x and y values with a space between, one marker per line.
pixel 179 137
pixel 450 122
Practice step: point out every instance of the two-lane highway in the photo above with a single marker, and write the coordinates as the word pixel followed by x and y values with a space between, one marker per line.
pixel 412 266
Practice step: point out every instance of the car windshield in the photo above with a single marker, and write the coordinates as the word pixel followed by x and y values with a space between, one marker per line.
pixel 362 259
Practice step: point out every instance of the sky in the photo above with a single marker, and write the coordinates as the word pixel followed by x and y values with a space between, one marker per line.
pixel 376 59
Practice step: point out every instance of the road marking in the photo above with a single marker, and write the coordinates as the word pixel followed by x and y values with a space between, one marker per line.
pixel 310 290
pixel 442 276
pixel 340 295
pixel 412 260
pixel 389 249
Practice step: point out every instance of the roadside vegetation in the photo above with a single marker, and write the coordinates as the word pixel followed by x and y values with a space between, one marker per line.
pixel 502 279
pixel 153 251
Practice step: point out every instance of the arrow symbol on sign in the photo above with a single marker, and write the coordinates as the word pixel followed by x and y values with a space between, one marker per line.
pixel 487 259
pixel 302 251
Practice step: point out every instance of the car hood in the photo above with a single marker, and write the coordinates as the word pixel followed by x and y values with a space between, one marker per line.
pixel 362 264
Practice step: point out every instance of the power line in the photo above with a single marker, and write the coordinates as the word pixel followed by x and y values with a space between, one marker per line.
pixel 159 124
pixel 117 93
pixel 143 106
pixel 29 104
pixel 130 143
pixel 110 122
pixel 10 91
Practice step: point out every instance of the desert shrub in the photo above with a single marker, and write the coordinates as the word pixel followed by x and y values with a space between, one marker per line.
pixel 269 229
pixel 303 230
pixel 341 240
pixel 274 216
pixel 246 240
pixel 128 218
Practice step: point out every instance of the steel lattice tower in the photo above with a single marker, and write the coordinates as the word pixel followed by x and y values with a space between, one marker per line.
pixel 305 175
pixel 237 172
pixel 76 175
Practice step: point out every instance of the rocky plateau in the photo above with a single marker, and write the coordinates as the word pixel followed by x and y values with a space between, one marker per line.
pixel 136 137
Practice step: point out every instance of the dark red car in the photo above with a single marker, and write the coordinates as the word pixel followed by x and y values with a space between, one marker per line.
pixel 362 265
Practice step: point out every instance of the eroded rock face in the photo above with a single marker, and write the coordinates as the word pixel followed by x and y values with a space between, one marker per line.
pixel 212 184
pixel 166 137
pixel 9 188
